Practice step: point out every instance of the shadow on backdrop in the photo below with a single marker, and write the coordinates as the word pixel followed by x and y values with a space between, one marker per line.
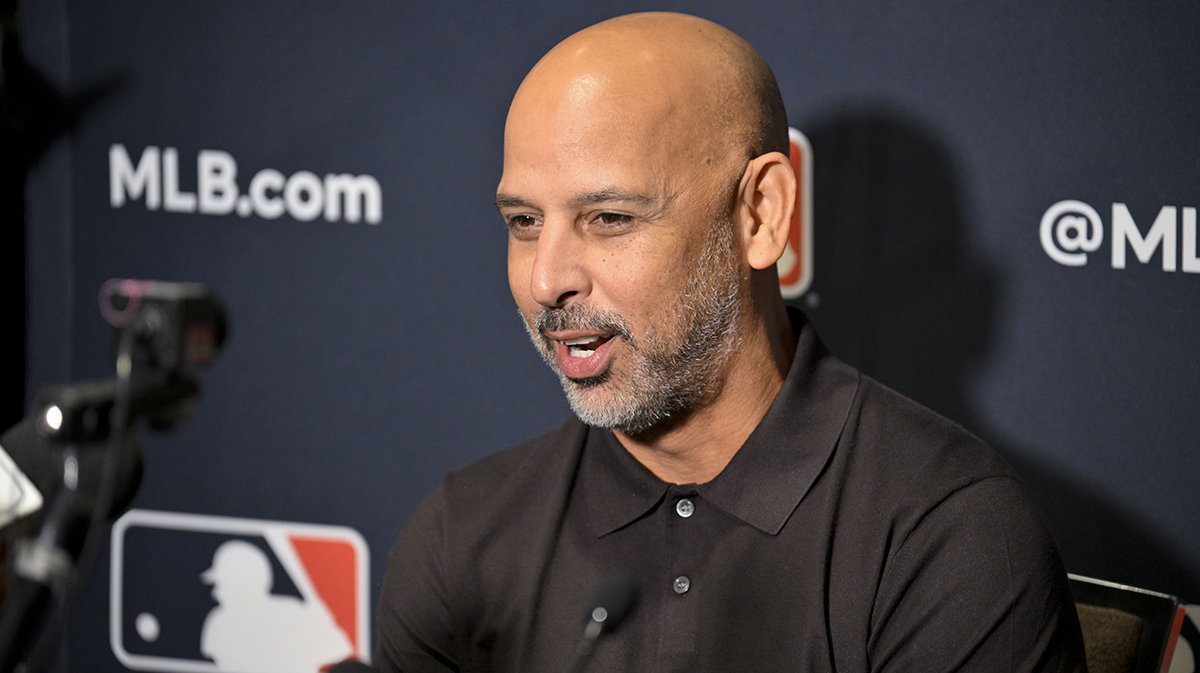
pixel 33 115
pixel 898 293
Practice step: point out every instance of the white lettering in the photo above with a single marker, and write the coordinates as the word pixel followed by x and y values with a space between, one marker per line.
pixel 1067 225
pixel 268 207
pixel 1074 225
pixel 1162 231
pixel 173 199
pixel 123 179
pixel 308 206
pixel 357 191
pixel 216 172
pixel 1190 263
pixel 304 195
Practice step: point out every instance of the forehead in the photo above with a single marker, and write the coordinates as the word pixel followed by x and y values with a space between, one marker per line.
pixel 595 112
pixel 594 131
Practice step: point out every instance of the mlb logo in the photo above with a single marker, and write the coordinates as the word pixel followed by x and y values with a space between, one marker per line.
pixel 210 594
pixel 795 267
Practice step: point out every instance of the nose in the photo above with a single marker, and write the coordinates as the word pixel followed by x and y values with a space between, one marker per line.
pixel 559 273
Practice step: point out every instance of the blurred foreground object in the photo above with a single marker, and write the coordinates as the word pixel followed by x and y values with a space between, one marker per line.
pixel 79 453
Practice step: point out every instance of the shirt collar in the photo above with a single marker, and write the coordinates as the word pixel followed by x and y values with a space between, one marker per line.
pixel 767 478
pixel 617 489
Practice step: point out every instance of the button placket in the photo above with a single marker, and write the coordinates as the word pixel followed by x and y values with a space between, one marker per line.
pixel 685 507
pixel 683 558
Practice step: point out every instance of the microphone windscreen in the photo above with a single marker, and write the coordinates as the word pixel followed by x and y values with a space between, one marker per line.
pixel 615 595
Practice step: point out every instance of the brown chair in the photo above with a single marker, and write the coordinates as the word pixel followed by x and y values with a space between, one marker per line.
pixel 1126 629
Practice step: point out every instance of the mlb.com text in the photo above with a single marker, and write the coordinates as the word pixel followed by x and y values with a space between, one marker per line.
pixel 303 195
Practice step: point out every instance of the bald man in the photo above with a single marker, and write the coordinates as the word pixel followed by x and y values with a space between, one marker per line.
pixel 779 511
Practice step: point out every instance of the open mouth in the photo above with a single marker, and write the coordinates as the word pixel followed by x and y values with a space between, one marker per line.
pixel 584 347
pixel 583 356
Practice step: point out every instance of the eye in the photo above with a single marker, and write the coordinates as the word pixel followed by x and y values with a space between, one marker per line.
pixel 522 226
pixel 614 220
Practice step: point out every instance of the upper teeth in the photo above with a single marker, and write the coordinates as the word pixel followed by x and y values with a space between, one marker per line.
pixel 580 341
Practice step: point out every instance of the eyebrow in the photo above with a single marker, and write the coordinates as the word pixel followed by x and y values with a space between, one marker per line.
pixel 612 194
pixel 509 201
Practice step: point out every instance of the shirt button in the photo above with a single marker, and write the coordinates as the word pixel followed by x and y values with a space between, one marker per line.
pixel 682 584
pixel 685 507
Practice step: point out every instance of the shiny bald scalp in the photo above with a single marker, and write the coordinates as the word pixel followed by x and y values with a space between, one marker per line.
pixel 726 82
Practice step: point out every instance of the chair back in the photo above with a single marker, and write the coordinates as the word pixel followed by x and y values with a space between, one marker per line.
pixel 1126 629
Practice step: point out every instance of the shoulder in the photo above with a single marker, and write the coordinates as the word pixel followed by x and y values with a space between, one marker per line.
pixel 451 553
pixel 501 488
pixel 920 481
pixel 976 579
pixel 535 460
pixel 913 451
pixel 969 571
pixel 924 466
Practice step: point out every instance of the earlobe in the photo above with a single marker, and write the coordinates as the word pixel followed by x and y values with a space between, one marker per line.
pixel 767 196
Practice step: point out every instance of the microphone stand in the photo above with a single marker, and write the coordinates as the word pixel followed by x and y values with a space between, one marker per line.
pixel 167 328
pixel 583 651
pixel 58 562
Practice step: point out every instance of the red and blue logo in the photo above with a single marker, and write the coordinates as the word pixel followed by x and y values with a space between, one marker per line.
pixel 208 594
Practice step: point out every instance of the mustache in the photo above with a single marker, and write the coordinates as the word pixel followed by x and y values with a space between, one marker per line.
pixel 578 317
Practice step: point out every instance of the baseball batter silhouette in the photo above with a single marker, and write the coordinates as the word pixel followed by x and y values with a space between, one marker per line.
pixel 252 630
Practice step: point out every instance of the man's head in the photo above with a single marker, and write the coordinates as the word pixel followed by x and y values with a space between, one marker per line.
pixel 647 192
pixel 240 573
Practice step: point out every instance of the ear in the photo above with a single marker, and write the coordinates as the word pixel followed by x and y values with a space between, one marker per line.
pixel 766 200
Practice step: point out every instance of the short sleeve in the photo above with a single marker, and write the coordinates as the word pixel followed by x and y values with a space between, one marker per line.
pixel 977 585
pixel 415 618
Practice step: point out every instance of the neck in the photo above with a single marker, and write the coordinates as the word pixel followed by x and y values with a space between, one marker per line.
pixel 696 448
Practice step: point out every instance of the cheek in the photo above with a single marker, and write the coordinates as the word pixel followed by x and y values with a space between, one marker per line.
pixel 643 288
pixel 519 270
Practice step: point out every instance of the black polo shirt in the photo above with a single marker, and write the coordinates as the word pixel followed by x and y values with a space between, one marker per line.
pixel 853 531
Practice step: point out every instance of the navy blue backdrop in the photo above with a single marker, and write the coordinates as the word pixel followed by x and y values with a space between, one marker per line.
pixel 368 358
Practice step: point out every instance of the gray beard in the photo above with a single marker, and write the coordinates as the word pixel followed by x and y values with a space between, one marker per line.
pixel 667 375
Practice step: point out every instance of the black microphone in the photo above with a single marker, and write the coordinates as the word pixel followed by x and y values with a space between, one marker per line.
pixel 610 603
